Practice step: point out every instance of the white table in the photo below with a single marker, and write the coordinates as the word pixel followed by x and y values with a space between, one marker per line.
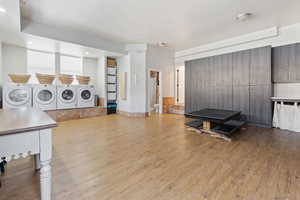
pixel 25 132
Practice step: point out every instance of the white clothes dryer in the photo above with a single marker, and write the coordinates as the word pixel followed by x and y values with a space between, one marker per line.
pixel 86 96
pixel 44 97
pixel 66 96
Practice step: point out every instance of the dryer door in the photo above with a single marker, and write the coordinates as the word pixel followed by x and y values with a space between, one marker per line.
pixel 18 96
pixel 67 95
pixel 45 96
pixel 85 95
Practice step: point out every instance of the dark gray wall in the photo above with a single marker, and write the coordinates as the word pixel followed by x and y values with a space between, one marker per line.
pixel 286 64
pixel 236 81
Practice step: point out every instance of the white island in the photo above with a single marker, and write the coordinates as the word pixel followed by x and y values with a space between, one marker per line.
pixel 25 132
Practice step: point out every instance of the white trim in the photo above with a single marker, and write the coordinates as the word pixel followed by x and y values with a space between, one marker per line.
pixel 259 35
pixel 160 89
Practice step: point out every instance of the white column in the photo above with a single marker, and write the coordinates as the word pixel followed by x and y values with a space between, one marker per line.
pixel 138 78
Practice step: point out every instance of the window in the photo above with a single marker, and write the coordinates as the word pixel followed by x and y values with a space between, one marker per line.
pixel 40 62
pixel 70 65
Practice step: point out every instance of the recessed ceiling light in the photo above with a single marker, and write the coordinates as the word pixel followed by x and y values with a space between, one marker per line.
pixel 2 10
pixel 29 42
pixel 243 16
pixel 86 53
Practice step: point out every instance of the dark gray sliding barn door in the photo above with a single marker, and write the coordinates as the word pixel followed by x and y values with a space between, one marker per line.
pixel 238 81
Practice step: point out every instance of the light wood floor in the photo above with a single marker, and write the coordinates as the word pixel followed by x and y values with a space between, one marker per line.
pixel 119 158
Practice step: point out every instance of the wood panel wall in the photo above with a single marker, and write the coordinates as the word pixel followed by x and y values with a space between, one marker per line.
pixel 286 64
pixel 235 81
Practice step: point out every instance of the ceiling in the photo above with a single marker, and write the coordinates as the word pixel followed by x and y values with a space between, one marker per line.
pixel 181 24
pixel 10 32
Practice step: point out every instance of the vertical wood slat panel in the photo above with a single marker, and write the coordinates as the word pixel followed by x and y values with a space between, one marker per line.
pixel 297 62
pixel 260 66
pixel 292 67
pixel 226 69
pixel 241 100
pixel 286 64
pixel 260 104
pixel 275 65
pixel 187 90
pixel 283 67
pixel 223 82
pixel 241 68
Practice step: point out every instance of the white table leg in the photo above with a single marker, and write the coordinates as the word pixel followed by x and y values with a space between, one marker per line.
pixel 45 180
pixel 45 160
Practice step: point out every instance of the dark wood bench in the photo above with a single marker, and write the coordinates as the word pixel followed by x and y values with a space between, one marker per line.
pixel 229 127
pixel 194 124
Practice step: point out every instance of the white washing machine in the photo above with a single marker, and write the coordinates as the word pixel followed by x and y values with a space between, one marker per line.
pixel 86 96
pixel 17 95
pixel 66 96
pixel 44 97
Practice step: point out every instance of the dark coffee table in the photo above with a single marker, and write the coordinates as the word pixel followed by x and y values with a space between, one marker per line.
pixel 211 117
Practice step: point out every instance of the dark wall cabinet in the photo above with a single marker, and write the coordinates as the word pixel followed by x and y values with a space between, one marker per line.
pixel 286 64
pixel 239 81
pixel 241 100
pixel 260 66
pixel 260 104
pixel 241 68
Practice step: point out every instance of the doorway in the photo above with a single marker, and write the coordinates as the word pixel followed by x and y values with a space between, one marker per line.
pixel 154 91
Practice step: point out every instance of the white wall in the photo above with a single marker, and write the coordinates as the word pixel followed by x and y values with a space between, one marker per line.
pixel 135 66
pixel 1 72
pixel 124 66
pixel 14 60
pixel 140 59
pixel 100 78
pixel 138 89
pixel 89 67
pixel 1 65
pixel 162 58
pixel 291 90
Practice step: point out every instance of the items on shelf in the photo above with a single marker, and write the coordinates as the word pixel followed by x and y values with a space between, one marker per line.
pixel 111 85
pixel 111 62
